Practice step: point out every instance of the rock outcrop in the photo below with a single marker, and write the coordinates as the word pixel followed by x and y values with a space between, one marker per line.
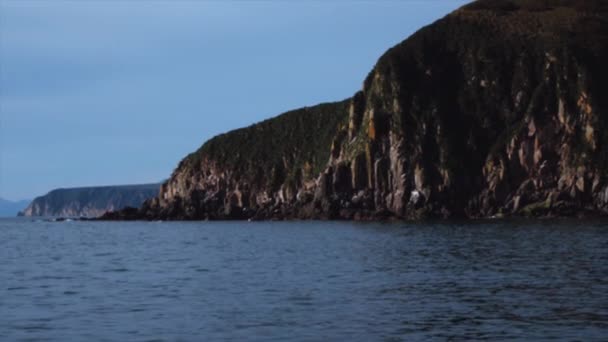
pixel 90 201
pixel 498 109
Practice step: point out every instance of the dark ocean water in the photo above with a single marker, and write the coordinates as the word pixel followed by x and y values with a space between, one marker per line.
pixel 303 281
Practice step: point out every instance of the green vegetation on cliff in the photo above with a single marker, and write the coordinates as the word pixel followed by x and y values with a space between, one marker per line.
pixel 277 147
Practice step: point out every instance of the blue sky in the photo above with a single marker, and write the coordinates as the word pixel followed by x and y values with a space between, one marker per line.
pixel 117 92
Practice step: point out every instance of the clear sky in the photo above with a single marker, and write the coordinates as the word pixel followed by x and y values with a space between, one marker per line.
pixel 117 92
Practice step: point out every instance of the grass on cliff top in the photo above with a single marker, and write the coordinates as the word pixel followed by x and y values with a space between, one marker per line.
pixel 285 142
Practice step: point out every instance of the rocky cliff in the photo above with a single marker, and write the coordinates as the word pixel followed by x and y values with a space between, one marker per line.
pixel 90 201
pixel 497 109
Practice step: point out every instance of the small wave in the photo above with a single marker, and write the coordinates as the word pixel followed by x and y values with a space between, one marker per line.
pixel 32 327
pixel 117 270
pixel 38 278
pixel 16 288
pixel 103 254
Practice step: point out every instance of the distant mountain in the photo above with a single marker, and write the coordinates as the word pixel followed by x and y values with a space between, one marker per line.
pixel 90 201
pixel 11 208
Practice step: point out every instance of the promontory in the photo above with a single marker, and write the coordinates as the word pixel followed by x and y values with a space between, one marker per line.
pixel 498 109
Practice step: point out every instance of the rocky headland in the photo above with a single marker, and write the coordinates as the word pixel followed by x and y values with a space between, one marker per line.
pixel 89 201
pixel 498 109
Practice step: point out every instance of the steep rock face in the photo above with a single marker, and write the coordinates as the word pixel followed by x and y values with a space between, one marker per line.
pixel 90 201
pixel 236 174
pixel 496 109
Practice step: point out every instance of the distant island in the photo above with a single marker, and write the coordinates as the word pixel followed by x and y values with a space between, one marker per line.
pixel 498 109
pixel 11 208
pixel 89 201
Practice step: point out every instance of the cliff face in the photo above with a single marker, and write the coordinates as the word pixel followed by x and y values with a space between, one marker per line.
pixel 496 109
pixel 272 163
pixel 90 201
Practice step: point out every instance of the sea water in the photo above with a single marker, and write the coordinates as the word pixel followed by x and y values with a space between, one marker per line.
pixel 303 281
